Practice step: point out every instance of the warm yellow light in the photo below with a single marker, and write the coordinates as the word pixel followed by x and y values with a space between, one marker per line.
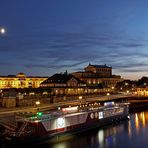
pixel 36 121
pixel 80 97
pixel 37 102
pixel 108 94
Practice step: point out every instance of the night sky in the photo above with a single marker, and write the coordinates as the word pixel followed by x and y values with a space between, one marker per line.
pixel 44 37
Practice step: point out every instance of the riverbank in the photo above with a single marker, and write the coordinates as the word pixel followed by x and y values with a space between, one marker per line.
pixel 137 103
pixel 138 106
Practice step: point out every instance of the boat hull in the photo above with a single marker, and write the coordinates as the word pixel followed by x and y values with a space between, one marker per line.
pixel 62 135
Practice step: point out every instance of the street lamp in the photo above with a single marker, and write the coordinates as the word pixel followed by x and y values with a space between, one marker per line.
pixel 37 104
pixel 113 87
pixel 80 98
pixel 108 94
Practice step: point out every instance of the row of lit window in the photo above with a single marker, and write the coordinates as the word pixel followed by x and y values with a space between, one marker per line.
pixel 142 90
pixel 93 82
pixel 107 70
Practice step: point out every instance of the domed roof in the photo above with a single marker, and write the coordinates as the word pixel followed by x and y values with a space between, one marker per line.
pixel 21 75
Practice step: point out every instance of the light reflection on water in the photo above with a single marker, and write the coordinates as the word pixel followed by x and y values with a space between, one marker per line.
pixel 129 133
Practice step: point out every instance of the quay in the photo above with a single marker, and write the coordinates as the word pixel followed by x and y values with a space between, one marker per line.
pixel 135 102
pixel 53 106
pixel 7 116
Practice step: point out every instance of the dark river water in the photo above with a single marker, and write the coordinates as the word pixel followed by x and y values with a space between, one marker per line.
pixel 131 133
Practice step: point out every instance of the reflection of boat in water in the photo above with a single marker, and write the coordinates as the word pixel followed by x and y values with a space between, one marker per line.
pixel 67 121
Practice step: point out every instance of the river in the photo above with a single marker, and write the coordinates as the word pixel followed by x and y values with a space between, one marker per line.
pixel 132 133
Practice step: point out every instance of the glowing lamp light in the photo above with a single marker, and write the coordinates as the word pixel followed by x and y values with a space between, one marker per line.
pixel 108 94
pixel 80 97
pixel 113 87
pixel 39 114
pixel 36 121
pixel 37 102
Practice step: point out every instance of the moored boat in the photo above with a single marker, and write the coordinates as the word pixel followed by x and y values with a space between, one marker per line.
pixel 33 128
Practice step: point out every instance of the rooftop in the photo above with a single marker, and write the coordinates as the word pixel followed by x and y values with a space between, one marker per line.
pixel 60 78
pixel 100 66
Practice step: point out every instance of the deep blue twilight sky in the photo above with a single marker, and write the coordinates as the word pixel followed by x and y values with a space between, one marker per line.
pixel 44 37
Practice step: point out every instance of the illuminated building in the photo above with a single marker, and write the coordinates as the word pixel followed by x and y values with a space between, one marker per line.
pixel 64 84
pixel 143 91
pixel 103 71
pixel 96 74
pixel 20 81
pixel 67 84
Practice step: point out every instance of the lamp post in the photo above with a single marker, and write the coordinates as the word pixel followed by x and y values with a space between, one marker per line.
pixel 37 104
pixel 108 94
pixel 80 98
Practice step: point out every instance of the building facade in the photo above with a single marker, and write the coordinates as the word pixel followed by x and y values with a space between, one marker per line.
pixel 69 85
pixel 64 84
pixel 20 81
pixel 143 91
pixel 103 71
pixel 96 74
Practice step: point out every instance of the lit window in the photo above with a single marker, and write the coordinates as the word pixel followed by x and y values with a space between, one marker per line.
pixel 100 115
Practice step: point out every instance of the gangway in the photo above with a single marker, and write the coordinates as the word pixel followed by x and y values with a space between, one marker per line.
pixel 22 129
pixel 9 125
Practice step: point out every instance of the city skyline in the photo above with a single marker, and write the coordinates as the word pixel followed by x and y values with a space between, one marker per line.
pixel 54 36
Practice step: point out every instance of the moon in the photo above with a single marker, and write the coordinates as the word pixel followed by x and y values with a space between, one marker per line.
pixel 2 30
